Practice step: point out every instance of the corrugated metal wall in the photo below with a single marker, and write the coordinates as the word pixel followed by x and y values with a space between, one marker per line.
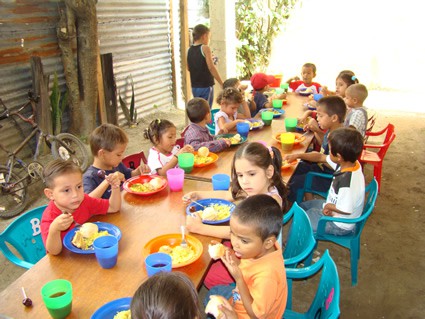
pixel 135 32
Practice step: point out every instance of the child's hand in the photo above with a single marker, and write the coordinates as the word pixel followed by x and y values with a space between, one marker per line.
pixel 232 264
pixel 324 91
pixel 312 125
pixel 223 131
pixel 143 169
pixel 227 310
pixel 186 149
pixel 115 179
pixel 62 222
pixel 327 211
pixel 290 157
pixel 193 222
pixel 187 198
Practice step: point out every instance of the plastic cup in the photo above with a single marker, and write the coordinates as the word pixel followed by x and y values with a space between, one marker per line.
pixel 277 104
pixel 291 124
pixel 106 251
pixel 157 262
pixel 267 117
pixel 287 140
pixel 221 182
pixel 279 91
pixel 242 128
pixel 317 97
pixel 186 161
pixel 284 86
pixel 57 297
pixel 175 177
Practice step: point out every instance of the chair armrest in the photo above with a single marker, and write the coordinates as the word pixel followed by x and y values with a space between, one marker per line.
pixel 376 133
pixel 301 273
pixel 12 257
pixel 321 226
pixel 308 184
pixel 365 146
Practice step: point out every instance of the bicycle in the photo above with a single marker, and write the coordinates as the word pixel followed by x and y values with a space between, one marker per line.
pixel 14 184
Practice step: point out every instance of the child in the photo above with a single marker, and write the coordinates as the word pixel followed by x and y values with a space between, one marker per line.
pixel 163 153
pixel 344 79
pixel 308 73
pixel 356 117
pixel 201 66
pixel 197 133
pixel 261 83
pixel 256 261
pixel 346 193
pixel 246 107
pixel 108 143
pixel 330 116
pixel 227 118
pixel 68 204
pixel 168 295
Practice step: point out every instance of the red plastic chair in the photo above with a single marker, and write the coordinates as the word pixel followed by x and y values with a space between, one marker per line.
pixel 184 131
pixel 370 124
pixel 133 161
pixel 376 158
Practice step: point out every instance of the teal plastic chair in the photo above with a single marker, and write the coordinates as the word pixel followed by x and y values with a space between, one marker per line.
pixel 326 301
pixel 300 241
pixel 24 235
pixel 308 185
pixel 211 126
pixel 351 241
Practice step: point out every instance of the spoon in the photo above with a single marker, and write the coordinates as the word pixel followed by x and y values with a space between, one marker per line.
pixel 195 202
pixel 73 220
pixel 183 243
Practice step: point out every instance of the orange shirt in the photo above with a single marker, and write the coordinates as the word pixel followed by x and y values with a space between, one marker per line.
pixel 266 281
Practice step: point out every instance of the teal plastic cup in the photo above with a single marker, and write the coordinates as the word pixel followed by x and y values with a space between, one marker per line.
pixel 57 297
pixel 186 161
pixel 267 117
pixel 291 124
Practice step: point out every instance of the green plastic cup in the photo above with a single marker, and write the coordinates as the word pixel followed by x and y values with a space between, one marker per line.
pixel 284 86
pixel 57 297
pixel 267 117
pixel 291 124
pixel 279 91
pixel 186 161
pixel 277 104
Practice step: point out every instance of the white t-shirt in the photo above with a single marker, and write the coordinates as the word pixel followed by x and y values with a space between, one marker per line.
pixel 157 160
pixel 226 119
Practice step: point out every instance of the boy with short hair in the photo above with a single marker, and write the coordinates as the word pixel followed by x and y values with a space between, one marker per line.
pixel 346 194
pixel 256 262
pixel 108 143
pixel 308 73
pixel 330 116
pixel 356 117
pixel 68 204
pixel 261 83
pixel 197 133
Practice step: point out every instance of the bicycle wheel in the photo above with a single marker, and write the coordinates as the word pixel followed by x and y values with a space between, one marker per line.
pixel 13 195
pixel 70 147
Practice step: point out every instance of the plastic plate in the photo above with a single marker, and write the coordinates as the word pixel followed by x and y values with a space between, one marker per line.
pixel 258 126
pixel 110 309
pixel 298 138
pixel 286 164
pixel 67 240
pixel 207 202
pixel 278 113
pixel 143 179
pixel 213 156
pixel 243 138
pixel 174 240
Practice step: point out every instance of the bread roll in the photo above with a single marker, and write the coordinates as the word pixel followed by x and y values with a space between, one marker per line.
pixel 203 151
pixel 212 306
pixel 216 251
pixel 88 229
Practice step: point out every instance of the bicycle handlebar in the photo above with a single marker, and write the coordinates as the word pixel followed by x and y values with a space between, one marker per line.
pixel 31 119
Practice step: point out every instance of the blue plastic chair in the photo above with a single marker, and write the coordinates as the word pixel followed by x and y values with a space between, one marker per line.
pixel 300 241
pixel 326 301
pixel 350 241
pixel 24 235
pixel 308 188
pixel 211 126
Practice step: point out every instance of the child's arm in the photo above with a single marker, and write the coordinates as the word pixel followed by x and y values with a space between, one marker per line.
pixel 210 63
pixel 305 115
pixel 115 199
pixel 228 310
pixel 227 126
pixel 54 240
pixel 194 225
pixel 226 195
pixel 114 178
pixel 246 111
pixel 142 169
pixel 314 127
pixel 330 208
pixel 294 78
pixel 173 162
pixel 310 156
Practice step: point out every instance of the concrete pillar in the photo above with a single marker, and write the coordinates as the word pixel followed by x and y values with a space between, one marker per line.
pixel 223 37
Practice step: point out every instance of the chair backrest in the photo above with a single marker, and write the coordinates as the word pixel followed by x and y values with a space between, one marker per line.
pixel 133 161
pixel 180 142
pixel 326 300
pixel 389 138
pixel 211 126
pixel 372 193
pixel 182 133
pixel 300 241
pixel 24 235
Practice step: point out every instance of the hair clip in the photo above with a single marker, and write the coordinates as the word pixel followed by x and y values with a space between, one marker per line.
pixel 270 151
pixel 158 121
pixel 353 78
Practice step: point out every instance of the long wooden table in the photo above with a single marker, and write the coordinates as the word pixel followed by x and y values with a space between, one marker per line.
pixel 140 219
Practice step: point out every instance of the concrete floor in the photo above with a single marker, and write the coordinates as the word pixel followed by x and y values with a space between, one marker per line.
pixel 392 255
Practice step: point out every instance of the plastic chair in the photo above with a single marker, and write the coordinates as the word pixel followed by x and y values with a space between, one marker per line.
pixel 300 241
pixel 376 158
pixel 326 301
pixel 308 186
pixel 24 235
pixel 133 161
pixel 182 133
pixel 211 126
pixel 350 241
pixel 180 142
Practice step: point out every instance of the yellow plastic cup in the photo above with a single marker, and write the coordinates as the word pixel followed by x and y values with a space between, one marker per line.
pixel 287 140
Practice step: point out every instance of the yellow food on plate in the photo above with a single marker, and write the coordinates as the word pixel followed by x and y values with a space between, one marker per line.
pixel 215 212
pixel 202 159
pixel 85 236
pixel 125 314
pixel 235 139
pixel 203 151
pixel 152 185
pixel 178 254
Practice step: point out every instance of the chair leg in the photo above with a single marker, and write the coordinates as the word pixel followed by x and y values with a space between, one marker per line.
pixel 377 172
pixel 354 260
pixel 289 300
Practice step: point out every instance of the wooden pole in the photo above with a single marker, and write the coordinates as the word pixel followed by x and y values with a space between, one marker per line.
pixel 101 93
pixel 110 88
pixel 184 46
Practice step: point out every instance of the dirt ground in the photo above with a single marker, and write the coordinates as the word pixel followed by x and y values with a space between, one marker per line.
pixel 392 246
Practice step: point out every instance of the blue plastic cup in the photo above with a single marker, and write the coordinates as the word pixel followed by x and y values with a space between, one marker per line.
pixel 157 262
pixel 242 128
pixel 221 182
pixel 106 251
pixel 317 97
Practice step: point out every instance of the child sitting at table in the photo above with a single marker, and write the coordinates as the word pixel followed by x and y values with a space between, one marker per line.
pixel 255 262
pixel 308 73
pixel 344 79
pixel 108 143
pixel 168 295
pixel 246 107
pixel 163 153
pixel 356 117
pixel 346 193
pixel 197 133
pixel 330 116
pixel 226 119
pixel 261 83
pixel 68 204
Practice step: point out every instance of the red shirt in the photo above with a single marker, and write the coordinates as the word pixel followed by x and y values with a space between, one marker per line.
pixel 89 207
pixel 295 84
